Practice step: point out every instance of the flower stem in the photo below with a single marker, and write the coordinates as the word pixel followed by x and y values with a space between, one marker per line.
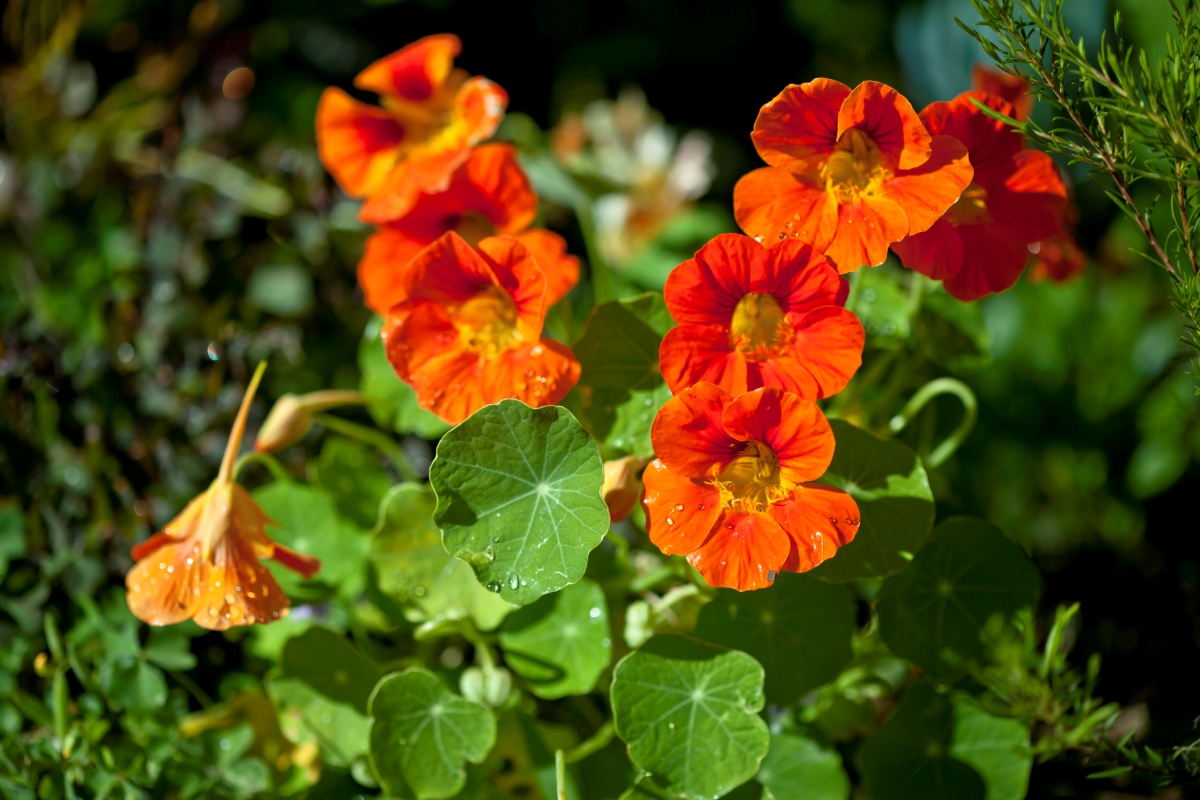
pixel 603 286
pixel 919 400
pixel 239 427
pixel 381 441
pixel 597 741
pixel 560 774
pixel 277 470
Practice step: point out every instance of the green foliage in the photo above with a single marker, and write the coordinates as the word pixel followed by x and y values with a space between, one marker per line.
pixel 797 768
pixel 392 403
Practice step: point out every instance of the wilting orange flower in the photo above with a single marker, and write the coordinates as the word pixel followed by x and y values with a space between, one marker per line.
pixel 205 564
pixel 851 172
pixel 731 487
pixel 430 117
pixel 752 316
pixel 469 331
pixel 488 195
pixel 1012 88
pixel 1017 197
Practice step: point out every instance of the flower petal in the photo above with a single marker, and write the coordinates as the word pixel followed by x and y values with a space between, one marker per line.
pixel 798 276
pixel 1033 202
pixel 864 231
pixel 744 552
pixel 448 271
pixel 300 563
pixel 493 184
pixel 992 261
pixel 428 354
pixel 518 273
pixel 690 354
pixel 818 519
pixel 537 374
pixel 991 143
pixel 687 433
pixel 561 268
pixel 799 128
pixel 824 355
pixel 692 506
pixel 1012 88
pixel 1058 258
pixel 889 119
pixel 415 72
pixel 927 192
pixel 705 289
pixel 359 144
pixel 936 253
pixel 386 258
pixel 795 429
pixel 772 205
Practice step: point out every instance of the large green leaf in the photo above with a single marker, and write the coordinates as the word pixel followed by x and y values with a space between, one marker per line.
pixel 341 730
pixel 997 747
pixel 519 498
pixel 422 735
pixel 561 643
pixel 689 713
pixel 799 629
pixel 889 484
pixel 909 758
pixel 331 665
pixel 352 475
pixel 307 521
pixel 412 565
pixel 620 385
pixel 797 768
pixel 967 572
pixel 392 402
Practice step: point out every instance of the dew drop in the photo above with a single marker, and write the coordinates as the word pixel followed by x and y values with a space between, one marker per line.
pixel 679 507
pixel 701 507
pixel 670 521
pixel 492 586
pixel 514 582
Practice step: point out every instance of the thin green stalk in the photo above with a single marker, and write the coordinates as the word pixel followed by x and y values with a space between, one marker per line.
pixel 560 774
pixel 192 688
pixel 596 742
pixel 919 400
pixel 277 470
pixel 603 286
pixel 856 280
pixel 381 441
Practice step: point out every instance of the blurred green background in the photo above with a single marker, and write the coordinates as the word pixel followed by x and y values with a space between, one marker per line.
pixel 161 231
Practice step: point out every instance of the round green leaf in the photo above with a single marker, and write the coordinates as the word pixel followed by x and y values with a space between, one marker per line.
pixel 967 572
pixel 306 520
pixel 799 629
pixel 561 643
pixel 689 713
pixel 519 500
pixel 412 565
pixel 797 768
pixel 997 747
pixel 909 757
pixel 889 484
pixel 331 665
pixel 341 730
pixel 422 734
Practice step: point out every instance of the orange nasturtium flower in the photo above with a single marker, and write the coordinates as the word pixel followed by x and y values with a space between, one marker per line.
pixel 731 487
pixel 1017 198
pixel 752 316
pixel 469 332
pixel 205 564
pixel 1012 88
pixel 488 195
pixel 851 172
pixel 429 117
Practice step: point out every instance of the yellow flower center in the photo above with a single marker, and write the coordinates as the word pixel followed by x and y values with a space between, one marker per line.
pixel 752 481
pixel 855 169
pixel 759 329
pixel 971 207
pixel 487 322
pixel 473 227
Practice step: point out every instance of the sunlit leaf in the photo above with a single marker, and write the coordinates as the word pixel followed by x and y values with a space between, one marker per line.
pixel 797 768
pixel 968 571
pixel 330 664
pixel 392 402
pixel 422 735
pixel 352 475
pixel 997 747
pixel 889 484
pixel 341 730
pixel 412 565
pixel 519 498
pixel 689 714
pixel 561 643
pixel 799 629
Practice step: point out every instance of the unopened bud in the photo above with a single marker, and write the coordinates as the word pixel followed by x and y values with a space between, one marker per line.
pixel 621 485
pixel 488 686
pixel 292 416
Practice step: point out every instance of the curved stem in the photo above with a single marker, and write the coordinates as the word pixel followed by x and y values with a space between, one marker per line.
pixel 919 400
pixel 239 427
pixel 597 741
pixel 381 441
pixel 277 470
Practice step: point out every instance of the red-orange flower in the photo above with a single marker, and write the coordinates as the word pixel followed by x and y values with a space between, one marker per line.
pixel 1012 88
pixel 430 117
pixel 1017 197
pixel 488 195
pixel 851 172
pixel 469 331
pixel 752 316
pixel 205 564
pixel 731 487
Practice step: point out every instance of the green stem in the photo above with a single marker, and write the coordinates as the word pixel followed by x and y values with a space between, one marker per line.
pixel 618 541
pixel 277 470
pixel 192 688
pixel 603 286
pixel 598 741
pixel 919 400
pixel 381 441
pixel 650 788
pixel 560 774
pixel 856 280
pixel 916 290
pixel 483 648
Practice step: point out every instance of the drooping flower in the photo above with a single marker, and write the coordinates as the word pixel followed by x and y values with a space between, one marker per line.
pixel 622 488
pixel 752 316
pixel 469 331
pixel 488 195
pixel 732 488
pixel 1016 198
pixel 851 172
pixel 205 564
pixel 429 117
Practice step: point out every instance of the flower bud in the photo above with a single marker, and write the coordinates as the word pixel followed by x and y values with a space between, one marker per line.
pixel 488 686
pixel 621 485
pixel 292 416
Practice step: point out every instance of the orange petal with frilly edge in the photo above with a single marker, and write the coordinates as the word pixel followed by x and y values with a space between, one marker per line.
pixel 818 519
pixel 927 192
pixel 992 261
pixel 824 354
pixel 688 435
pixel 518 273
pixel 798 129
pixel 428 354
pixel 415 72
pixel 772 205
pixel 1012 88
pixel 865 230
pixel 689 354
pixel 359 144
pixel 744 552
pixel 889 119
pixel 386 257
pixel 795 429
pixel 705 289
pixel 561 268
pixel 936 253
pixel 448 271
pixel 537 374
pixel 680 512
pixel 1033 201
